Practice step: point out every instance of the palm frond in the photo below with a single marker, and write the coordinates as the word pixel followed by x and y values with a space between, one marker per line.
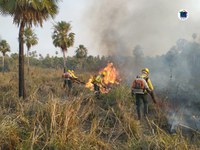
pixel 62 37
pixel 30 38
pixel 30 12
pixel 4 47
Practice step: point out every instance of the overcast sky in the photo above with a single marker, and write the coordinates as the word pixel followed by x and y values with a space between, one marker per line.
pixel 115 25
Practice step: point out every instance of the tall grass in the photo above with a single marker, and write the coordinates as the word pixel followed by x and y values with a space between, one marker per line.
pixel 51 119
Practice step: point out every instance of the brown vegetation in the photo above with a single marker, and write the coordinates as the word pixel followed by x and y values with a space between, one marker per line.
pixel 49 119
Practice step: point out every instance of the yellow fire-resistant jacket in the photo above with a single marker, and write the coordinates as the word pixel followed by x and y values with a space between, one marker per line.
pixel 98 80
pixel 72 75
pixel 149 83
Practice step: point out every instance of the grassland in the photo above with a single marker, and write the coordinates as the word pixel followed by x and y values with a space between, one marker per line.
pixel 51 119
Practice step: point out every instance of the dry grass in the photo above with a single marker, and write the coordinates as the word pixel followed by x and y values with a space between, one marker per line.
pixel 49 119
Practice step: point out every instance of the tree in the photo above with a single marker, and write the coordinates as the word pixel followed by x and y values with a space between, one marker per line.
pixel 30 40
pixel 4 47
pixel 81 53
pixel 27 13
pixel 63 38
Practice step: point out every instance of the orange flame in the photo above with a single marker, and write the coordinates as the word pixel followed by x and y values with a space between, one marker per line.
pixel 110 78
pixel 89 84
pixel 112 74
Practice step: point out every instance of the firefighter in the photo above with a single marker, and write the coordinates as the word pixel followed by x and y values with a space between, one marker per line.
pixel 98 82
pixel 69 77
pixel 142 85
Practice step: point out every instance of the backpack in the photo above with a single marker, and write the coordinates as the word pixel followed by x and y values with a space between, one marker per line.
pixel 139 85
pixel 66 75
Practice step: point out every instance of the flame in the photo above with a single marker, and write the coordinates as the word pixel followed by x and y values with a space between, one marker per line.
pixel 110 78
pixel 89 84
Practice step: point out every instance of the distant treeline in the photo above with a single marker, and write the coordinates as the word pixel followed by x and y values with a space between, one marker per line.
pixel 176 73
pixel 89 63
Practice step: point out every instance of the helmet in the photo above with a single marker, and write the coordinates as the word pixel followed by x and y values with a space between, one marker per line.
pixel 104 73
pixel 146 70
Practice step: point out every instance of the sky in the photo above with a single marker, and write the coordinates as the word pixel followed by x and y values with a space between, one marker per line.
pixel 115 26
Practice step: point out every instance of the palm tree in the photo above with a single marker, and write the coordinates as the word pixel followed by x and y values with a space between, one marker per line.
pixel 4 47
pixel 27 13
pixel 63 38
pixel 81 53
pixel 30 40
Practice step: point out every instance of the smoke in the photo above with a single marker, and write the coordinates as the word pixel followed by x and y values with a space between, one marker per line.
pixel 116 26
pixel 133 32
pixel 183 118
pixel 175 75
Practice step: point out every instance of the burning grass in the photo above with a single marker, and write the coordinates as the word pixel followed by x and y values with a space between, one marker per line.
pixel 49 119
pixel 111 78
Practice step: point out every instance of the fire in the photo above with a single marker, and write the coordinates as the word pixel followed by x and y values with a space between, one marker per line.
pixel 89 83
pixel 110 78
pixel 112 74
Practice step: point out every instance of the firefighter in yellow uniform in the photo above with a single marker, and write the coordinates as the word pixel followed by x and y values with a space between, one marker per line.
pixel 142 95
pixel 69 77
pixel 98 82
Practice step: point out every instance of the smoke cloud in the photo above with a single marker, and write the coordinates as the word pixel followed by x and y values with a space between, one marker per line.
pixel 117 26
pixel 135 31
